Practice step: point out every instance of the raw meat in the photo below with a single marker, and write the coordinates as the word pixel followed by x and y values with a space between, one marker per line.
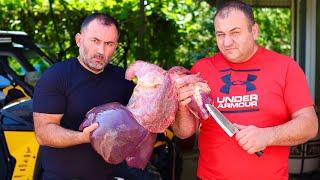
pixel 154 100
pixel 129 132
pixel 142 153
pixel 201 90
pixel 118 133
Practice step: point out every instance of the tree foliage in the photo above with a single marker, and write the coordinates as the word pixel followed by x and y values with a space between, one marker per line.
pixel 275 28
pixel 170 32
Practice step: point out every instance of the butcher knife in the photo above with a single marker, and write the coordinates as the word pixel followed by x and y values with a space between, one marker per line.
pixel 224 123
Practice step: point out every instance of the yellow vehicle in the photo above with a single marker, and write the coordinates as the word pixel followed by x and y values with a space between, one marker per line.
pixel 21 63
pixel 18 142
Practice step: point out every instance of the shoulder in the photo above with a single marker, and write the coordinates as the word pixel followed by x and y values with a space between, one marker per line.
pixel 56 74
pixel 200 63
pixel 280 63
pixel 60 67
pixel 206 62
pixel 276 57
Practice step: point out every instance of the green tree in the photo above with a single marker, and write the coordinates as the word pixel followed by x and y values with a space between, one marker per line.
pixel 275 28
pixel 168 33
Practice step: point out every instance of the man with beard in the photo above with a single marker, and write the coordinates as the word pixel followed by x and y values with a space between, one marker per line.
pixel 68 90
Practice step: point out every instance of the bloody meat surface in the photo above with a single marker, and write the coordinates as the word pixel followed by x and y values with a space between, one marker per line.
pixel 129 132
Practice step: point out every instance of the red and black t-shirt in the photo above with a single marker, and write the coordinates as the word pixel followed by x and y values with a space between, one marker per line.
pixel 264 92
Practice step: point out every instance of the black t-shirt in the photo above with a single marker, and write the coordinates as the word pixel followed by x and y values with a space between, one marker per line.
pixel 68 88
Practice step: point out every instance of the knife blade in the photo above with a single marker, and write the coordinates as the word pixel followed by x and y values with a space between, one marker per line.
pixel 224 123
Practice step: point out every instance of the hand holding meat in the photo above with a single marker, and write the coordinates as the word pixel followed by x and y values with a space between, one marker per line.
pixel 87 131
pixel 118 133
pixel 128 133
pixel 194 87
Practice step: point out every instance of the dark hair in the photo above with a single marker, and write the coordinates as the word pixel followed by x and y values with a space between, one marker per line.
pixel 105 19
pixel 225 9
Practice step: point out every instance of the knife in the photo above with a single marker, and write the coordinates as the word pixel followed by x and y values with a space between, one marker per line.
pixel 224 123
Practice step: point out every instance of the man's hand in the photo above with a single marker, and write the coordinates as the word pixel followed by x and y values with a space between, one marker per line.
pixel 251 138
pixel 87 131
pixel 185 125
pixel 50 133
pixel 184 95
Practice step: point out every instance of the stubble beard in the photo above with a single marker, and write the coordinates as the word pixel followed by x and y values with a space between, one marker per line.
pixel 90 63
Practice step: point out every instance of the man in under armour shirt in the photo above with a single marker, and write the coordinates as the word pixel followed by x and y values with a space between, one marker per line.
pixel 265 95
pixel 67 91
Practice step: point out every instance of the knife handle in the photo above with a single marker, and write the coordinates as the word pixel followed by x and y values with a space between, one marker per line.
pixel 259 154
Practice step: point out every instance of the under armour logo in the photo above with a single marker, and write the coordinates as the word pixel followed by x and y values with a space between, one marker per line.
pixel 228 83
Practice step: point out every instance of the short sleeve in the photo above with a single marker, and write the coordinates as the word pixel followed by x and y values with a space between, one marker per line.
pixel 49 95
pixel 297 93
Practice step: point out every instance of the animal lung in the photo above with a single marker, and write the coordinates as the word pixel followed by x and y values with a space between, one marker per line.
pixel 201 91
pixel 129 132
pixel 154 99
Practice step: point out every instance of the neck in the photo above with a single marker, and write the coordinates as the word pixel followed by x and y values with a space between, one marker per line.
pixel 88 68
pixel 255 49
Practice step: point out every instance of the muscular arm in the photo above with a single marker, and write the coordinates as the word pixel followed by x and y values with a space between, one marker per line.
pixel 302 127
pixel 50 133
pixel 185 124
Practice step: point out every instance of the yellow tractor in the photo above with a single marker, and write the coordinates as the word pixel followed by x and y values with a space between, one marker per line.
pixel 21 64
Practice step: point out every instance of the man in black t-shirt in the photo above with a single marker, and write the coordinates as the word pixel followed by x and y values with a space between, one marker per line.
pixel 68 90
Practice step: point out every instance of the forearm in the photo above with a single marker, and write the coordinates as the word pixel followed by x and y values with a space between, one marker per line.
pixel 185 124
pixel 50 133
pixel 54 135
pixel 301 128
